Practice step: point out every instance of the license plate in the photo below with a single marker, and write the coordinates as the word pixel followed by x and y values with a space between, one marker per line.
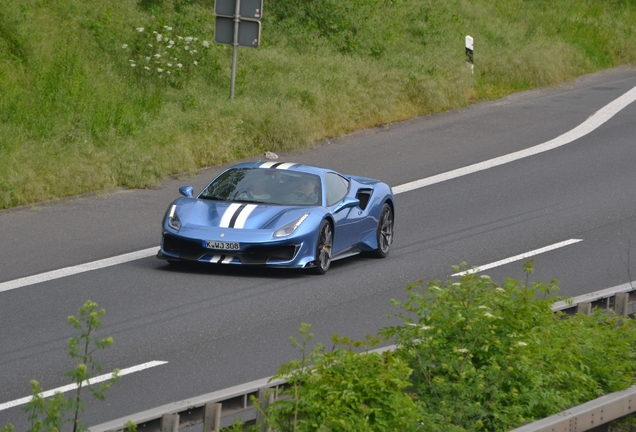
pixel 212 244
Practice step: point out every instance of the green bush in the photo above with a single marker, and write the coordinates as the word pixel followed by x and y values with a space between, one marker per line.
pixel 471 356
pixel 341 390
pixel 489 357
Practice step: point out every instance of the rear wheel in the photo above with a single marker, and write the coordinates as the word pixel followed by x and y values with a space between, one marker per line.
pixel 384 232
pixel 323 248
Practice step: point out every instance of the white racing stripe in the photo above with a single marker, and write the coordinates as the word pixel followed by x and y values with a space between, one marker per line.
pixel 70 387
pixel 592 123
pixel 518 257
pixel 227 216
pixel 279 165
pixel 242 217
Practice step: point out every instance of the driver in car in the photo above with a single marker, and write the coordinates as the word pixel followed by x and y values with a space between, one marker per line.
pixel 257 191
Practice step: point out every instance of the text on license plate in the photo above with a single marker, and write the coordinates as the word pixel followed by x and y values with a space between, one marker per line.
pixel 211 244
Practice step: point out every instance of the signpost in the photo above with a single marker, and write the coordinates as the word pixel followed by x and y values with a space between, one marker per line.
pixel 237 23
pixel 469 53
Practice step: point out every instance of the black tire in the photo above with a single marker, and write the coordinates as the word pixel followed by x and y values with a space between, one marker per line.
pixel 384 232
pixel 323 249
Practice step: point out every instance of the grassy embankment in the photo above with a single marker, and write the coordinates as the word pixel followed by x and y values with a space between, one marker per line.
pixel 79 111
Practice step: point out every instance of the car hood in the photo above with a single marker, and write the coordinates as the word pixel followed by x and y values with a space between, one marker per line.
pixel 195 213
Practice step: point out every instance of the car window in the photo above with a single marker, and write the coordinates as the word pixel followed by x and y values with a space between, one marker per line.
pixel 337 188
pixel 266 186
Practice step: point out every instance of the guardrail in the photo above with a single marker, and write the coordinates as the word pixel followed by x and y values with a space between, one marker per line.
pixel 219 409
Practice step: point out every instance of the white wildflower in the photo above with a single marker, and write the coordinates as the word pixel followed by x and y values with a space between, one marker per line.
pixel 171 42
pixel 196 39
pixel 159 70
pixel 154 32
pixel 435 288
pixel 133 65
pixel 124 46
pixel 193 51
pixel 180 37
pixel 522 344
pixel 489 315
pixel 483 307
pixel 150 45
pixel 188 39
pixel 179 65
pixel 169 64
pixel 159 37
pixel 168 72
pixel 196 62
pixel 140 29
pixel 425 327
pixel 456 284
pixel 205 43
pixel 186 47
pixel 485 277
pixel 157 55
pixel 147 58
pixel 462 350
pixel 167 28
pixel 146 67
pixel 499 289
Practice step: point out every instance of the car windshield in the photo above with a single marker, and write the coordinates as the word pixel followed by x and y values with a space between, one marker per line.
pixel 266 186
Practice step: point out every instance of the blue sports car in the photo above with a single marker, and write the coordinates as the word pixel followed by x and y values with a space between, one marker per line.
pixel 279 214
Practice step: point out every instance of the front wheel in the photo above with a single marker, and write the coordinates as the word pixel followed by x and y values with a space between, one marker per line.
pixel 323 248
pixel 384 232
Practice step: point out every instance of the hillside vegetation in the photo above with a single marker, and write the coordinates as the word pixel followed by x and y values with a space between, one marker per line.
pixel 91 98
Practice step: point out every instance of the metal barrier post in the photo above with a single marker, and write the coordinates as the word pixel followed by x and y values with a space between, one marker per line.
pixel 170 423
pixel 212 417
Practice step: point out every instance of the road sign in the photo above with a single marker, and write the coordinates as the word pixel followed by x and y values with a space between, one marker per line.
pixel 237 23
pixel 249 32
pixel 248 9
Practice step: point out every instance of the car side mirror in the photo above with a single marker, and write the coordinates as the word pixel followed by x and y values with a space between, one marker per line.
pixel 186 191
pixel 347 203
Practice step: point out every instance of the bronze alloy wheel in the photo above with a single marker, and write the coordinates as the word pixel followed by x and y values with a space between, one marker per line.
pixel 323 248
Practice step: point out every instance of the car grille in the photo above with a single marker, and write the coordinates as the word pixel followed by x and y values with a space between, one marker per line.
pixel 185 248
pixel 193 250
pixel 263 254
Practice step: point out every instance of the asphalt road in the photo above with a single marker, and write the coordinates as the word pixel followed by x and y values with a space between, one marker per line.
pixel 218 327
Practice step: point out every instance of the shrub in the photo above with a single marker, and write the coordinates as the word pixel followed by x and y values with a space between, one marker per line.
pixel 344 390
pixel 489 357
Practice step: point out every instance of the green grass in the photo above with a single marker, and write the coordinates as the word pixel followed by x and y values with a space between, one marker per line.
pixel 76 117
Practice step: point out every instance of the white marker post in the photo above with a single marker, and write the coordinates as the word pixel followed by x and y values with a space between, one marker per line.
pixel 469 53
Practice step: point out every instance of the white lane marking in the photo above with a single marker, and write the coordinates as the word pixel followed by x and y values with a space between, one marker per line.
pixel 70 387
pixel 518 257
pixel 593 122
pixel 69 271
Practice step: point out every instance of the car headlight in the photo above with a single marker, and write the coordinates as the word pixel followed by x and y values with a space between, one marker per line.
pixel 173 219
pixel 290 227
